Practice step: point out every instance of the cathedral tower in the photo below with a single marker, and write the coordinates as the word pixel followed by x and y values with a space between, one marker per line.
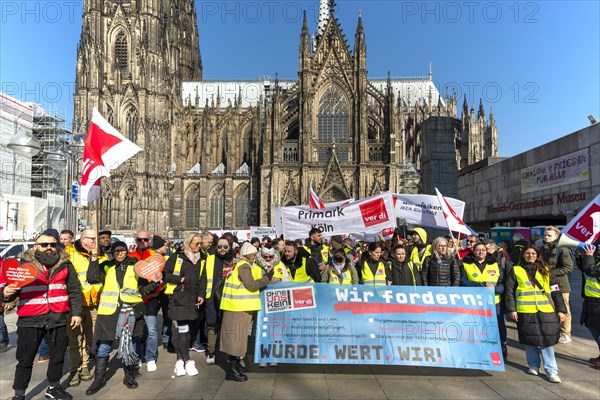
pixel 132 58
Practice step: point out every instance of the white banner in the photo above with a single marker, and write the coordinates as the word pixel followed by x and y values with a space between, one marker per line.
pixel 424 209
pixel 277 215
pixel 262 231
pixel 367 215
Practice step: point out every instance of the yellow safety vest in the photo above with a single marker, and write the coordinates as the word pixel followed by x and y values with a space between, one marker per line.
pixel 378 279
pixel 592 286
pixel 209 264
pixel 416 260
pixel 235 295
pixel 490 274
pixel 300 276
pixel 531 299
pixel 344 279
pixel 109 300
pixel 170 287
pixel 81 263
pixel 324 252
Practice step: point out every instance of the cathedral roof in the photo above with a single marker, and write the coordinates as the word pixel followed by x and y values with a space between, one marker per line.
pixel 414 89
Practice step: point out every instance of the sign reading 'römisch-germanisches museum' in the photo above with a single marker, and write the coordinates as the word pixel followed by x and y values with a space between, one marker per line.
pixel 570 168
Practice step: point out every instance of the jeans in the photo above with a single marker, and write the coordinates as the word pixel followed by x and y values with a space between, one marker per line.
pixel 3 330
pixel 103 347
pixel 151 330
pixel 43 350
pixel 595 334
pixel 532 353
pixel 163 306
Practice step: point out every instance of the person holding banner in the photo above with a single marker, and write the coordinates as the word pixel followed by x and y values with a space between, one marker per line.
pixel 340 270
pixel 241 297
pixel 298 267
pixel 120 314
pixel 50 301
pixel 535 303
pixel 440 268
pixel 372 270
pixel 590 314
pixel 403 272
pixel 480 269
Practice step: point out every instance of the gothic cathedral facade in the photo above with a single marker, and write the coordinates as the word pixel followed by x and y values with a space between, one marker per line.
pixel 225 154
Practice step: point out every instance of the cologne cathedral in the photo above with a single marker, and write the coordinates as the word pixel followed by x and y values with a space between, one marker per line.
pixel 224 154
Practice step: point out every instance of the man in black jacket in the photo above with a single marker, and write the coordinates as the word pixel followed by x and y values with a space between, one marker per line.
pixel 44 308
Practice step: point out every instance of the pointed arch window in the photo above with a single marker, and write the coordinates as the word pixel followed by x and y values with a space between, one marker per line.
pixel 192 207
pixel 107 208
pixel 129 196
pixel 109 115
pixel 241 206
pixel 217 207
pixel 131 120
pixel 121 53
pixel 332 125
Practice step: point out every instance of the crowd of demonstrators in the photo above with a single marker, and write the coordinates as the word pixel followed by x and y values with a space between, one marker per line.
pixel 209 291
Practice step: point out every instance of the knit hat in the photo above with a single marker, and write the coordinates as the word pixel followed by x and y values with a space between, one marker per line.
pixel 118 244
pixel 337 239
pixel 157 242
pixel 247 249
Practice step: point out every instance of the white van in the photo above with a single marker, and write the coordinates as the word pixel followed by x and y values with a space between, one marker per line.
pixel 13 249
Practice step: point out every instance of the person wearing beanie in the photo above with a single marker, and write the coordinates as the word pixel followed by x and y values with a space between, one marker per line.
pixel 241 298
pixel 119 314
pixel 104 242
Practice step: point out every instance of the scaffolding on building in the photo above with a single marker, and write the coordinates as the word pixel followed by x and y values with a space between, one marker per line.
pixel 48 176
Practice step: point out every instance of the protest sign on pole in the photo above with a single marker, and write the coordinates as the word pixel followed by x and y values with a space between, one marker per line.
pixel 277 214
pixel 425 209
pixel 451 327
pixel 371 214
pixel 262 231
pixel 585 227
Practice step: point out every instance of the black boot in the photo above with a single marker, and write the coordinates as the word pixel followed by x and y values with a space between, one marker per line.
pixel 99 376
pixel 129 378
pixel 242 365
pixel 233 370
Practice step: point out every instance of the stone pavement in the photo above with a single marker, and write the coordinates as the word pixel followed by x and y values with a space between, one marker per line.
pixel 294 381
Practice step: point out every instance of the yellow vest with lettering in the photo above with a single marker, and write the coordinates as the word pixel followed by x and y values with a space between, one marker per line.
pixel 129 294
pixel 378 279
pixel 416 260
pixel 529 298
pixel 300 276
pixel 490 274
pixel 235 295
pixel 81 263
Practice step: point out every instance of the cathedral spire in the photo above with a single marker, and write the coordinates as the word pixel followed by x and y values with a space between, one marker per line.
pixel 480 112
pixel 323 18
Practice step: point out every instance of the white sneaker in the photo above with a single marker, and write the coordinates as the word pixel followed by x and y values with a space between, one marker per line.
pixel 151 366
pixel 179 368
pixel 553 377
pixel 210 358
pixel 564 338
pixel 262 365
pixel 190 368
pixel 533 372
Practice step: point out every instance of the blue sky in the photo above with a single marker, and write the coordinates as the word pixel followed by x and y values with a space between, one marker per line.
pixel 536 63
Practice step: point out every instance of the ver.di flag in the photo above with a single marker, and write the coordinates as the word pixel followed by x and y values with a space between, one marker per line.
pixel 585 227
pixel 105 149
pixel 454 222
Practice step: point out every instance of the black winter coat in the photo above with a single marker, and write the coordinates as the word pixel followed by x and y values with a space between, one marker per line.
pixel 403 276
pixel 182 305
pixel 539 329
pixel 440 272
pixel 590 313
pixel 106 325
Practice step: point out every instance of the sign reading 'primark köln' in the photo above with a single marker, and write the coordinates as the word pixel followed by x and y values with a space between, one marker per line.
pixel 452 327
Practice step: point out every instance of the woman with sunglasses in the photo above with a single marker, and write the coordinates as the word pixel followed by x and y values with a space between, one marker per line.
pixel 120 314
pixel 187 281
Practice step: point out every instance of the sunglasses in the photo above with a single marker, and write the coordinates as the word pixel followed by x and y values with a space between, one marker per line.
pixel 268 257
pixel 142 240
pixel 45 245
pixel 222 247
